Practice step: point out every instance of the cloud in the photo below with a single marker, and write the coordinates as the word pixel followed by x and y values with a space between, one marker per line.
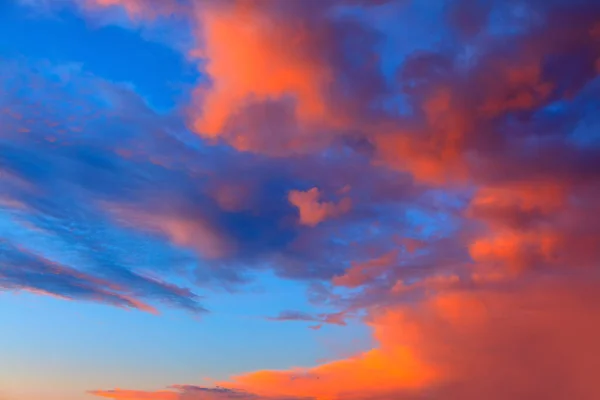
pixel 112 189
pixel 136 395
pixel 466 114
pixel 359 274
pixel 54 180
pixel 197 233
pixel 288 71
pixel 136 10
pixel 22 270
pixel 291 315
pixel 139 8
pixel 187 392
pixel 497 343
pixel 312 210
pixel 306 101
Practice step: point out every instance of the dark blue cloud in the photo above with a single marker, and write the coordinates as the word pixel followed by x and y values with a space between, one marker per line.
pixel 22 270
pixel 95 180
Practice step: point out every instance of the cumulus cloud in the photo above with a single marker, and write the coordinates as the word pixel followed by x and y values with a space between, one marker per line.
pixel 313 93
pixel 496 344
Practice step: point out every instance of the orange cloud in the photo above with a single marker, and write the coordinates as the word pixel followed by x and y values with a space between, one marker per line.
pixel 456 118
pixel 489 344
pixel 520 87
pixel 466 118
pixel 312 210
pixel 529 197
pixel 427 161
pixel 276 63
pixel 135 395
pixel 535 342
pixel 515 250
pixel 360 273
pixel 270 66
pixel 434 153
pixel 551 224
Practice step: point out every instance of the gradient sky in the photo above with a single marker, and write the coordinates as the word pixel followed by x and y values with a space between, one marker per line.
pixel 299 199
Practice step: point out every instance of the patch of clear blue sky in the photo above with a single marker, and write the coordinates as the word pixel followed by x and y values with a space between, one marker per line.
pixel 158 72
pixel 75 346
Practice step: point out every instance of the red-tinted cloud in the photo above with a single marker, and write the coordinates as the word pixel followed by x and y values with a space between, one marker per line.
pixel 313 210
pixel 246 33
pixel 288 98
pixel 361 273
pixel 136 395
pixel 496 343
pixel 198 233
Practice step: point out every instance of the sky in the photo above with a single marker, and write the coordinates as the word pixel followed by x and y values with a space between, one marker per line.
pixel 299 199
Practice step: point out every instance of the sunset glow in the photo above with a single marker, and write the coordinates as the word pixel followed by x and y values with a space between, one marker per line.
pixel 300 199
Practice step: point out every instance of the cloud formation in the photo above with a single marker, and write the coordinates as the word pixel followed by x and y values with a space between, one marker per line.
pixel 496 344
pixel 118 192
pixel 291 315
pixel 314 211
pixel 450 189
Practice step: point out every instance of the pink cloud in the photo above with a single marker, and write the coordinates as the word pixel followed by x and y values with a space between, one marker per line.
pixel 196 232
pixel 360 273
pixel 313 211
